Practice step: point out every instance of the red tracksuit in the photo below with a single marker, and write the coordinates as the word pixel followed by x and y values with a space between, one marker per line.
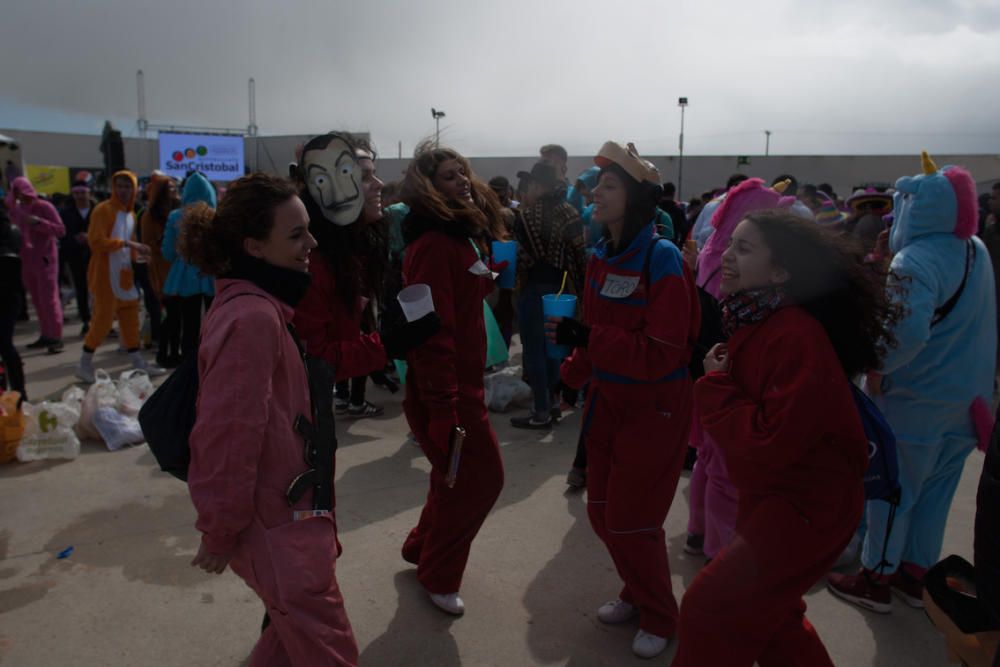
pixel 444 387
pixel 784 418
pixel 244 454
pixel 332 331
pixel 639 411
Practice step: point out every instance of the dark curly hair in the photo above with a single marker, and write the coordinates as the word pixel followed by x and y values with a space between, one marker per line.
pixel 829 279
pixel 212 239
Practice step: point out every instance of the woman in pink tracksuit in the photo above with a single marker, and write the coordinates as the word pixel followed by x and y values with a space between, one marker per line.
pixel 245 451
pixel 40 225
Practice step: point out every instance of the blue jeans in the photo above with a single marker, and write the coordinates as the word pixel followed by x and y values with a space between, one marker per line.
pixel 542 372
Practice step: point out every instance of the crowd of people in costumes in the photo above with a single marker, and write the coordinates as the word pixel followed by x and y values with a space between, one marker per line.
pixel 739 326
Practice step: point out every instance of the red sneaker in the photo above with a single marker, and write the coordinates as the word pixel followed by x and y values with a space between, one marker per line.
pixel 862 589
pixel 907 588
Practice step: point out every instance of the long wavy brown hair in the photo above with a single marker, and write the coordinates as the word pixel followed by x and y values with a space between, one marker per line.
pixel 483 219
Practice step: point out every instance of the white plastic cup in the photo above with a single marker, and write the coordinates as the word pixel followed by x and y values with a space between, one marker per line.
pixel 416 301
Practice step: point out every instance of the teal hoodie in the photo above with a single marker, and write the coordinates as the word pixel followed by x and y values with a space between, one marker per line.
pixel 184 279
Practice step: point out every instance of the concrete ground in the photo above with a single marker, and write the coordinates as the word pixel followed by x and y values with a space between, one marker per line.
pixel 127 595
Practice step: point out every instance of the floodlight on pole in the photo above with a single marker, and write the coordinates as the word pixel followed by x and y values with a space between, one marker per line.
pixel 767 143
pixel 682 102
pixel 438 115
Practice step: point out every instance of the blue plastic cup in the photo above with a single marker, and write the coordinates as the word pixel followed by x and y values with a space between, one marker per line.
pixel 506 250
pixel 558 305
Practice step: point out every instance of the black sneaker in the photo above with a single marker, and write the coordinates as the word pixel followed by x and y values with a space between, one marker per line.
pixel 695 545
pixel 56 347
pixel 531 422
pixel 40 343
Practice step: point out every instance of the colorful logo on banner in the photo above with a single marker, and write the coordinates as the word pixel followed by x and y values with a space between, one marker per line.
pixel 190 153
pixel 219 157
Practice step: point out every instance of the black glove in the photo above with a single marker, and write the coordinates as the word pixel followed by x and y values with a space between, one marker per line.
pixel 572 333
pixel 399 339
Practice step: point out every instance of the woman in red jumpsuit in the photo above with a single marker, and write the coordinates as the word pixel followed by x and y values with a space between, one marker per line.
pixel 245 450
pixel 804 315
pixel 640 321
pixel 446 233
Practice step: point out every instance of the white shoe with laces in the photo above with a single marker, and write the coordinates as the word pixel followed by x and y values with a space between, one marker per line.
pixel 617 611
pixel 450 603
pixel 646 645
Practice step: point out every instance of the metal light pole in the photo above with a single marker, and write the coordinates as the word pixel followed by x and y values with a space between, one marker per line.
pixel 438 115
pixel 252 125
pixel 682 102
pixel 767 144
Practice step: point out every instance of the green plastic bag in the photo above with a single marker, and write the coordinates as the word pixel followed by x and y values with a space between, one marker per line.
pixel 496 346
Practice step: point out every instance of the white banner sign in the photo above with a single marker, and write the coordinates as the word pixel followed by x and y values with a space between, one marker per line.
pixel 218 157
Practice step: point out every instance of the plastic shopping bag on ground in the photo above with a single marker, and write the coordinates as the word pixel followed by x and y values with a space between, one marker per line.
pixel 134 387
pixel 102 394
pixel 505 389
pixel 48 432
pixel 118 430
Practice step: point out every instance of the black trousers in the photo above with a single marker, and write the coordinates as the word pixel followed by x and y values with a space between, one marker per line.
pixel 170 329
pixel 191 309
pixel 353 390
pixel 76 266
pixel 149 297
pixel 9 313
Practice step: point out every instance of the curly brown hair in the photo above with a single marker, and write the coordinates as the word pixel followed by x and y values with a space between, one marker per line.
pixel 829 279
pixel 211 239
pixel 418 192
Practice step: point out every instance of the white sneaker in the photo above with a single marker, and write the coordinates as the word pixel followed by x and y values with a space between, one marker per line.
pixel 449 603
pixel 646 645
pixel 616 612
pixel 85 369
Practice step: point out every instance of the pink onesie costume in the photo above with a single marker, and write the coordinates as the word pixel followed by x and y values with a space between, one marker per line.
pixel 40 254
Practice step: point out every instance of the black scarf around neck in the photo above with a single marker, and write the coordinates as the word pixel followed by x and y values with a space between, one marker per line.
pixel 288 285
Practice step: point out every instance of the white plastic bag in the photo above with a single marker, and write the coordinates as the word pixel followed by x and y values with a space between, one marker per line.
pixel 102 394
pixel 134 387
pixel 48 432
pixel 505 389
pixel 73 397
pixel 116 429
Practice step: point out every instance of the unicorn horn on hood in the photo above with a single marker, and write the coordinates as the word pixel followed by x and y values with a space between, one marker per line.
pixel 781 186
pixel 928 163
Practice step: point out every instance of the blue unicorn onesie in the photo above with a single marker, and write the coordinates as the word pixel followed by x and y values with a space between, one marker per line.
pixel 938 381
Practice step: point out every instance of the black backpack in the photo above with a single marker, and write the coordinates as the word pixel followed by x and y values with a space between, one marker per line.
pixel 168 415
pixel 711 332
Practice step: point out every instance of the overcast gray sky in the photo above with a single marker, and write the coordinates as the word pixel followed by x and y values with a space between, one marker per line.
pixel 826 77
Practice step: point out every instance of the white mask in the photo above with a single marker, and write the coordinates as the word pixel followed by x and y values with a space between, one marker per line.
pixel 333 177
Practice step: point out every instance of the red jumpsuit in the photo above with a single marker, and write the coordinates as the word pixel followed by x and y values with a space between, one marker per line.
pixel 638 415
pixel 244 454
pixel 784 418
pixel 332 331
pixel 444 388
